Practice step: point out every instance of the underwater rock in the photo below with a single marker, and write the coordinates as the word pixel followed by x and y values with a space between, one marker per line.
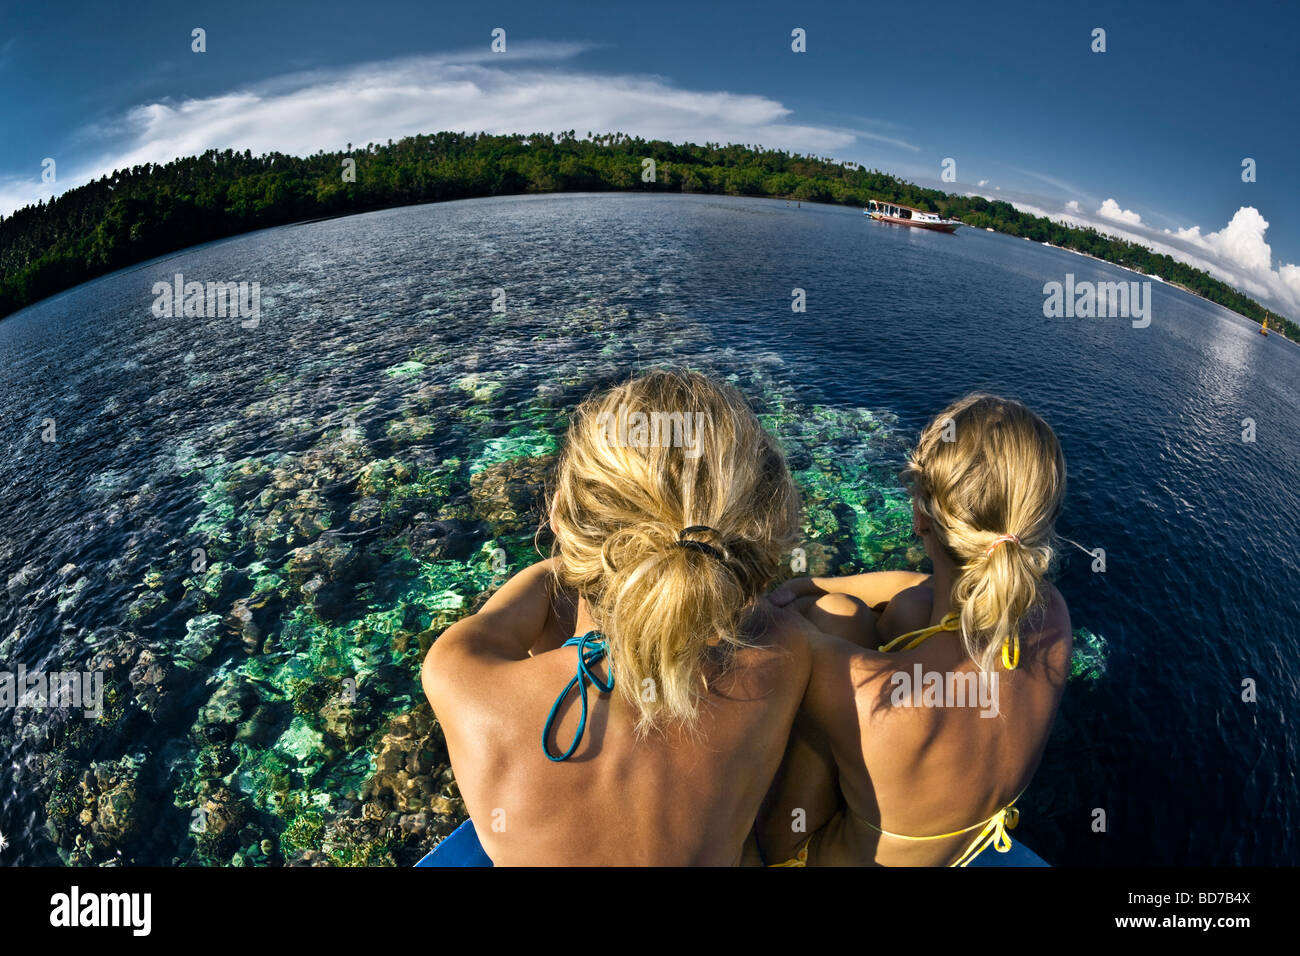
pixel 216 825
pixel 820 558
pixel 414 825
pixel 307 858
pixel 508 494
pixel 148 677
pixel 8 645
pixel 324 572
pixel 263 725
pixel 118 816
pixel 412 428
pixel 365 512
pixel 144 606
pixel 293 509
pixel 443 540
pixel 1088 659
pixel 210 588
pixel 346 721
pixel 91 816
pixel 243 620
pixel 373 478
pixel 248 478
pixel 69 593
pixel 353 841
pixel 228 703
pixel 202 634
pixel 410 762
pixel 478 387
pixel 410 369
pixel 215 761
pixel 428 396
pixel 22 579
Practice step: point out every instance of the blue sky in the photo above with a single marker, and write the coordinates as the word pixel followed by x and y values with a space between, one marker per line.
pixel 1145 140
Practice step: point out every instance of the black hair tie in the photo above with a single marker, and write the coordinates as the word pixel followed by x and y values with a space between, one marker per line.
pixel 702 546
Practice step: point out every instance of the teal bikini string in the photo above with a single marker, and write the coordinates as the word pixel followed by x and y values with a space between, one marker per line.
pixel 591 651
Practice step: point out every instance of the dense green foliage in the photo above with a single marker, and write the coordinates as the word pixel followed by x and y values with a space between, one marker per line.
pixel 136 214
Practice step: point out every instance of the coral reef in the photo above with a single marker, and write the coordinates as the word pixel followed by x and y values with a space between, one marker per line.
pixel 261 700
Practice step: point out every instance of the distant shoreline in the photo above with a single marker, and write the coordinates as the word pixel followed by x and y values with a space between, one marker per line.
pixel 1161 279
pixel 153 210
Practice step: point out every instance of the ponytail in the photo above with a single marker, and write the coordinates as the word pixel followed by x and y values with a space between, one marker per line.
pixel 995 593
pixel 666 606
pixel 990 475
pixel 670 542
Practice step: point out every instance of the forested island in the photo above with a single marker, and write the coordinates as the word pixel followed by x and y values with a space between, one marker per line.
pixel 136 214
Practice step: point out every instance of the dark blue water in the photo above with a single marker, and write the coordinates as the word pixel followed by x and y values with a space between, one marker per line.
pixel 376 322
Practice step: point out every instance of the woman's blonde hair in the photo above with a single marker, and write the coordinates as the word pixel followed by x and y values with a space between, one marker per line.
pixel 984 469
pixel 673 509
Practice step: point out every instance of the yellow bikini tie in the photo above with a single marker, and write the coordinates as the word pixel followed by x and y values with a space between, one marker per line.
pixel 994 833
pixel 951 622
pixel 995 828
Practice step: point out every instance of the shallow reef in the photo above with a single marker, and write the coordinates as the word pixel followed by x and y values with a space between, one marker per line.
pixel 262 698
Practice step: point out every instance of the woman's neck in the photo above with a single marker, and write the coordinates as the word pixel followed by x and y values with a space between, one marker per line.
pixel 941 580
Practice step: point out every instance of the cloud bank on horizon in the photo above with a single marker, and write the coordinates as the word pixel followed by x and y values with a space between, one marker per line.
pixel 305 112
pixel 1238 254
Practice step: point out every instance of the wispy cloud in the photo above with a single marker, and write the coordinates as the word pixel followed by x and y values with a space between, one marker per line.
pixel 1068 188
pixel 528 89
pixel 891 140
pixel 536 88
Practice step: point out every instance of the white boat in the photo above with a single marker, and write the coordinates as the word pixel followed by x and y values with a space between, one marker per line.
pixel 909 216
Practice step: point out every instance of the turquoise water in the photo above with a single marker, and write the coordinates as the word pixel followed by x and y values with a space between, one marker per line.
pixel 356 471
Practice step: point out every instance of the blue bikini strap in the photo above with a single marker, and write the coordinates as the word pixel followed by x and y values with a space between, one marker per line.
pixel 591 651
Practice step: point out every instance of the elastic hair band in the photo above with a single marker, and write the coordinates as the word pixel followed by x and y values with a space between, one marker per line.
pixel 999 540
pixel 703 546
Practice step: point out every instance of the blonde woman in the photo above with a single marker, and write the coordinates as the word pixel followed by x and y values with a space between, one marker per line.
pixel 629 700
pixel 923 725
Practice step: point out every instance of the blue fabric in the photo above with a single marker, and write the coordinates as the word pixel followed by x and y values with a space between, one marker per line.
pixel 461 848
pixel 1018 855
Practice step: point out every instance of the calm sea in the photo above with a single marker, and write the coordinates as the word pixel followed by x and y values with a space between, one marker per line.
pixel 378 342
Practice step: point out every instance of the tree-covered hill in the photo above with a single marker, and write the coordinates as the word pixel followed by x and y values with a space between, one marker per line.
pixel 146 211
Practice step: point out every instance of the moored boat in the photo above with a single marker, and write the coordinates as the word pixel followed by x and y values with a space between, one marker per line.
pixel 909 216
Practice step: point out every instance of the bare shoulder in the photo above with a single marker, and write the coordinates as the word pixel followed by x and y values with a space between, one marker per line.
pixel 500 635
pixel 779 643
pixel 457 676
pixel 1055 622
pixel 909 610
pixel 448 658
pixel 1054 636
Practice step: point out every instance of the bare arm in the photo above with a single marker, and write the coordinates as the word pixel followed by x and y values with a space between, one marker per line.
pixel 826 741
pixel 529 611
pixel 871 588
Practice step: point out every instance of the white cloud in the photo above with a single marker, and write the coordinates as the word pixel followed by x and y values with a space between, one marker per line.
pixel 1237 254
pixel 982 182
pixel 1110 210
pixel 471 92
pixel 1241 241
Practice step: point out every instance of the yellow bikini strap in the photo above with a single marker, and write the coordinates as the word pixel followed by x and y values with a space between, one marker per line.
pixel 994 832
pixel 951 622
pixel 1011 652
